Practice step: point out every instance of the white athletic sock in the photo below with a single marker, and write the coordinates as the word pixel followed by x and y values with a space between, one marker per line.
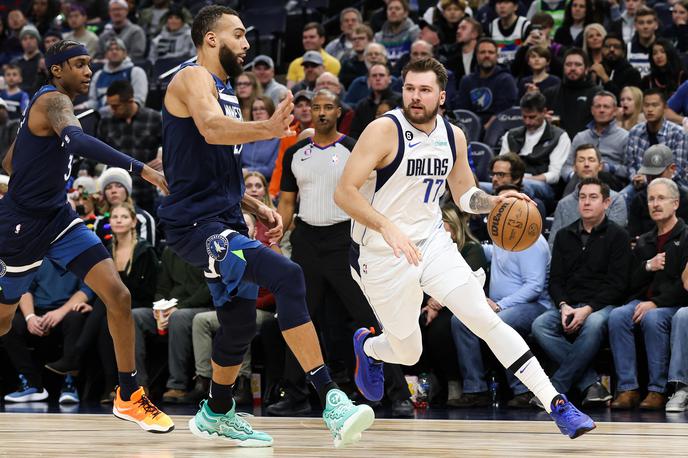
pixel 469 304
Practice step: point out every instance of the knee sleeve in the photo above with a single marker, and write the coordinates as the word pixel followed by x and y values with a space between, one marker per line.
pixel 237 330
pixel 391 349
pixel 284 278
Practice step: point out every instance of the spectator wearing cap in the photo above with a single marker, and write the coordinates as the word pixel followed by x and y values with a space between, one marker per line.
pixel 341 47
pixel 355 65
pixel 174 40
pixel 8 130
pixel 302 121
pixel 657 292
pixel 398 31
pixel 77 18
pixel 379 81
pixel 15 99
pixel 152 19
pixel 82 199
pixel 133 36
pixel 658 162
pixel 31 62
pixel 115 186
pixel 313 67
pixel 655 130
pixel 264 69
pixel 313 39
pixel 135 130
pixel 118 66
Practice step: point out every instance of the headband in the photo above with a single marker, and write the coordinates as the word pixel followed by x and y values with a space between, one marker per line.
pixel 65 55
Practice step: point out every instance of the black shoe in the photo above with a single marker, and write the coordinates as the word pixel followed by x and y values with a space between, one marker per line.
pixel 63 366
pixel 242 391
pixel 402 409
pixel 201 388
pixel 289 407
pixel 471 400
pixel 521 401
pixel 596 394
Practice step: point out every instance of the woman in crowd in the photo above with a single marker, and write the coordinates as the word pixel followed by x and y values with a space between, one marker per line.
pixel 260 156
pixel 666 68
pixel 577 15
pixel 247 89
pixel 137 264
pixel 446 19
pixel 677 31
pixel 116 186
pixel 630 110
pixel 593 37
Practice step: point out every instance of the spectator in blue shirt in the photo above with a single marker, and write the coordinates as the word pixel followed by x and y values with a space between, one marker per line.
pixel 55 305
pixel 16 99
pixel 518 293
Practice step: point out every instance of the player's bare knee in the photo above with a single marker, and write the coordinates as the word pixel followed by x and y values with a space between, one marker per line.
pixel 118 300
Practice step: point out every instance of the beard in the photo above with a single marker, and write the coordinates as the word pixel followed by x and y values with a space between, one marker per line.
pixel 230 62
pixel 425 117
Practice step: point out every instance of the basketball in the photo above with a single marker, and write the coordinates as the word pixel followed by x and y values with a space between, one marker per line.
pixel 514 224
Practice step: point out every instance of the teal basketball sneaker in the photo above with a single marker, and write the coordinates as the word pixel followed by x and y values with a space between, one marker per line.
pixel 230 427
pixel 345 420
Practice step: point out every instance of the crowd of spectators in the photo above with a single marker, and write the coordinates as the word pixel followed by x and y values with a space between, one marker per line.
pixel 581 104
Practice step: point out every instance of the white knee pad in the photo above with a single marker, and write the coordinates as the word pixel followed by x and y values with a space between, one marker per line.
pixel 409 349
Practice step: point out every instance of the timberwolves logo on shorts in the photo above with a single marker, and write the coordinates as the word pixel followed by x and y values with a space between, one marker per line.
pixel 217 246
pixel 3 268
pixel 481 98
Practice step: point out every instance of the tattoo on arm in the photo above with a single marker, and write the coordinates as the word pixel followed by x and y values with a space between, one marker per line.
pixel 480 202
pixel 60 112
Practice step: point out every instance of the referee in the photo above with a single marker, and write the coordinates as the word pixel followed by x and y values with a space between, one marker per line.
pixel 320 245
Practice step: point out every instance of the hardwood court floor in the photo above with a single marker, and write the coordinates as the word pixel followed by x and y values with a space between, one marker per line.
pixel 82 435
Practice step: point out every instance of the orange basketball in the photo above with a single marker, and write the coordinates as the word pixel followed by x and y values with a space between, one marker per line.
pixel 514 224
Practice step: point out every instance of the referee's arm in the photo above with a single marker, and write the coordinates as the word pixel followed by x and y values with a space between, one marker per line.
pixel 286 207
pixel 289 188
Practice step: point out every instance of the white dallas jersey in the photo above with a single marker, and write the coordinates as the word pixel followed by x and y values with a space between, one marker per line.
pixel 408 190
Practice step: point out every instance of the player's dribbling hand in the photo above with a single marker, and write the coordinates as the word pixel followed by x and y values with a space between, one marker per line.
pixel 401 244
pixel 273 221
pixel 155 178
pixel 507 194
pixel 281 119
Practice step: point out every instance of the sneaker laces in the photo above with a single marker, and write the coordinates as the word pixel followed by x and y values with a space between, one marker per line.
pixel 568 412
pixel 236 421
pixel 148 406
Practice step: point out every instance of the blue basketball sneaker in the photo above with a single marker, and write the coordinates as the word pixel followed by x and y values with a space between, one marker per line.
pixel 27 393
pixel 571 421
pixel 345 420
pixel 369 376
pixel 69 394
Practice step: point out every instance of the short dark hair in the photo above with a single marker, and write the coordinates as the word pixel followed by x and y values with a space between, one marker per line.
pixel 543 19
pixel 577 52
pixel 11 66
pixel 429 64
pixel 506 187
pixel 518 167
pixel 533 101
pixel 616 36
pixel 604 187
pixel 328 93
pixel 645 11
pixel 539 51
pixel 477 27
pixel 315 25
pixel 57 48
pixel 585 146
pixel 656 91
pixel 122 88
pixel 404 5
pixel 486 40
pixel 206 19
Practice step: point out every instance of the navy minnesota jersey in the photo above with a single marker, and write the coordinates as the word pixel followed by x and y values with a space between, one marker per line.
pixel 206 181
pixel 40 168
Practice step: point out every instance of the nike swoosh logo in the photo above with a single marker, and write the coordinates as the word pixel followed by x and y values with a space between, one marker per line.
pixel 413 145
pixel 304 158
pixel 315 371
pixel 524 367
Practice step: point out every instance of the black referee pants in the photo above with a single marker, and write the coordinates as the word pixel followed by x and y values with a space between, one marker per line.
pixel 323 254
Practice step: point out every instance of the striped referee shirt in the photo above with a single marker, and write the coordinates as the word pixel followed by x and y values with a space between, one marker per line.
pixel 313 171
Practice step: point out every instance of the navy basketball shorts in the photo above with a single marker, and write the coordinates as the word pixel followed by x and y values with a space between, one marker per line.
pixel 218 250
pixel 25 240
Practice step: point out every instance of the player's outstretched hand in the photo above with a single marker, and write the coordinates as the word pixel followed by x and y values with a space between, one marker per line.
pixel 283 117
pixel 155 178
pixel 401 244
pixel 517 195
pixel 273 221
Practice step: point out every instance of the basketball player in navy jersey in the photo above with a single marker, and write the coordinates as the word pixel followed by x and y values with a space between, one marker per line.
pixel 36 221
pixel 202 137
pixel 392 190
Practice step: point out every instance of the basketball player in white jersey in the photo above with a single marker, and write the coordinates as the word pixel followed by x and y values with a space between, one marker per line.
pixel 391 187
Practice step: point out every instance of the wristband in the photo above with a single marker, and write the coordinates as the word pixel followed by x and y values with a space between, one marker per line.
pixel 465 200
pixel 29 316
pixel 647 265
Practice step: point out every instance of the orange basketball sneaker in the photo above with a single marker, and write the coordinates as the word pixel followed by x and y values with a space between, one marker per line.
pixel 143 412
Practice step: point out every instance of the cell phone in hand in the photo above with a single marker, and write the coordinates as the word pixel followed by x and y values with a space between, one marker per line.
pixel 569 319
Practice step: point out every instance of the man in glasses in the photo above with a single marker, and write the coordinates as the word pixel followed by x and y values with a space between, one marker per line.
pixel 615 72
